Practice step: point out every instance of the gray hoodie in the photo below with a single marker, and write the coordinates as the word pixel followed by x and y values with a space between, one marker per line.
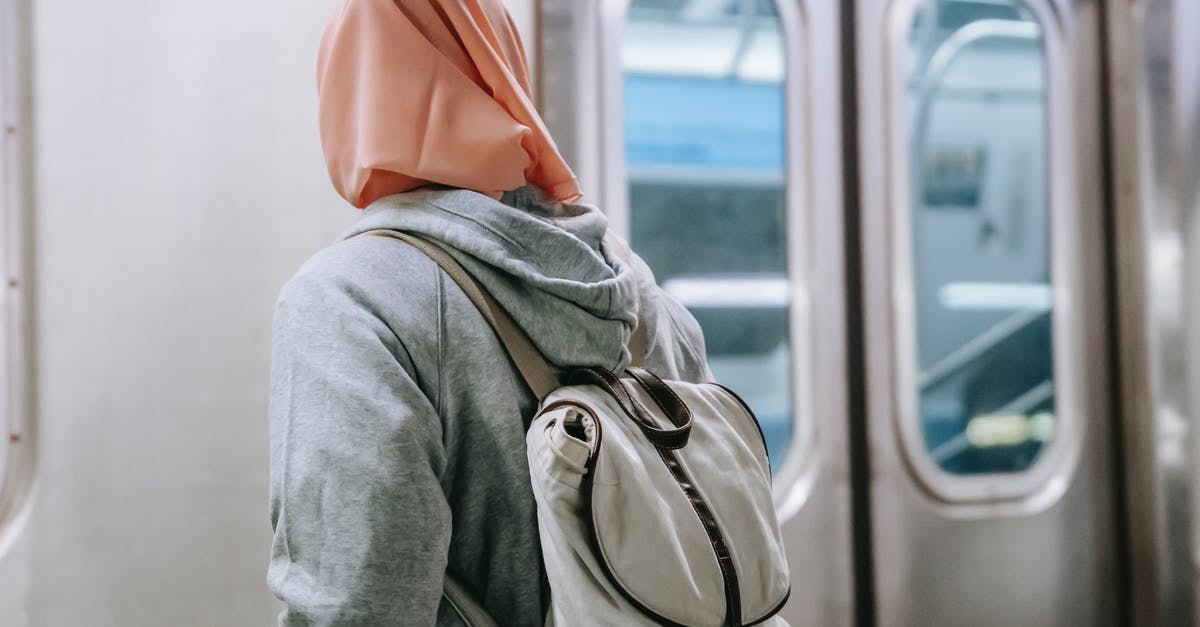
pixel 398 421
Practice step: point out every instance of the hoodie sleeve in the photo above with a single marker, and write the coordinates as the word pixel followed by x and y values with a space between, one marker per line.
pixel 687 351
pixel 676 339
pixel 362 525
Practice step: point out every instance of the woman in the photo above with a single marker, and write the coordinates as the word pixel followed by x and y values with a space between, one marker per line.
pixel 397 419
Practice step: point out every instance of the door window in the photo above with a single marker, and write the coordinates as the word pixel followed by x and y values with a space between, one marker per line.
pixel 982 292
pixel 705 157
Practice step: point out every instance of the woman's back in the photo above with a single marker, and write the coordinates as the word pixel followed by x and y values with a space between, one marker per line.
pixel 398 421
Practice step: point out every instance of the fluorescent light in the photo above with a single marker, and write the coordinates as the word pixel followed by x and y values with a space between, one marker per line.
pixel 993 296
pixel 703 50
pixel 730 292
pixel 990 430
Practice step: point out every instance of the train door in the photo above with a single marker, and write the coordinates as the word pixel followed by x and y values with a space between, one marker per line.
pixel 711 137
pixel 898 251
pixel 1154 55
pixel 987 341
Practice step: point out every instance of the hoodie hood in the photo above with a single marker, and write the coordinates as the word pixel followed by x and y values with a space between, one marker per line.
pixel 543 261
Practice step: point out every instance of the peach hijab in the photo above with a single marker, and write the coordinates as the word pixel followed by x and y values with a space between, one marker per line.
pixel 414 92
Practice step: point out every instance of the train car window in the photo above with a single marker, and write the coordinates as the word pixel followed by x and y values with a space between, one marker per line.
pixel 705 155
pixel 976 94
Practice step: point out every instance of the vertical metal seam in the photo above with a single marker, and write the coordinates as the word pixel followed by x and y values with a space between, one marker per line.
pixel 856 376
pixel 1121 525
pixel 16 489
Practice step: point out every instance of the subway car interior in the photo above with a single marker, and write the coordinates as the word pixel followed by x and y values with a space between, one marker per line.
pixel 947 250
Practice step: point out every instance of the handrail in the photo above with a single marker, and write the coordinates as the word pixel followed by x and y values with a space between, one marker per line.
pixel 978 347
pixel 745 34
pixel 1026 401
pixel 1031 398
pixel 939 65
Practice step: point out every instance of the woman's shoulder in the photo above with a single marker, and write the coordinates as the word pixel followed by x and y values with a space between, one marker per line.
pixel 363 276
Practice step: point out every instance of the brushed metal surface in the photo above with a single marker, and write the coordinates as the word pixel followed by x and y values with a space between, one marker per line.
pixel 179 183
pixel 569 87
pixel 813 487
pixel 1154 116
pixel 18 366
pixel 579 92
pixel 1046 559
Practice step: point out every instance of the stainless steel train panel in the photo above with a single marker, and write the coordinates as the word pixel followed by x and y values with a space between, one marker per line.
pixel 18 448
pixel 179 183
pixel 1033 544
pixel 1155 118
pixel 18 366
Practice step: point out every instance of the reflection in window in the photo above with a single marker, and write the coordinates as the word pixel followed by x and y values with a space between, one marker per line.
pixel 704 129
pixel 976 95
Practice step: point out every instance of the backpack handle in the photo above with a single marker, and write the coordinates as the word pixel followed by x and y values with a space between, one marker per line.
pixel 677 412
pixel 667 400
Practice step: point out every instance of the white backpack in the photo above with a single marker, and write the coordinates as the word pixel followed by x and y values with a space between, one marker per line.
pixel 653 497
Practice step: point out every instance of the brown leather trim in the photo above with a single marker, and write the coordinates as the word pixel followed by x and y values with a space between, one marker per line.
pixel 666 399
pixel 469 609
pixel 591 460
pixel 733 598
pixel 733 594
pixel 753 417
pixel 767 453
pixel 607 381
pixel 594 539
pixel 589 519
pixel 777 609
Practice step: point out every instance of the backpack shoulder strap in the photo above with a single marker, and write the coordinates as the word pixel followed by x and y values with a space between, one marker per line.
pixel 538 374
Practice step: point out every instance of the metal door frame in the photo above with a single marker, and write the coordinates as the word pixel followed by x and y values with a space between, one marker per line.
pixel 18 388
pixel 918 529
pixel 1153 100
pixel 1039 487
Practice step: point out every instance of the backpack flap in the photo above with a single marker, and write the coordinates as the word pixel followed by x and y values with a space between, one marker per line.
pixel 682 526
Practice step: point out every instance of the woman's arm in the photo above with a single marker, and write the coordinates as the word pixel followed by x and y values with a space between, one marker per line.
pixel 361 522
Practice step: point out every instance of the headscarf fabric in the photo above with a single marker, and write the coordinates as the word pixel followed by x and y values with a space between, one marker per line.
pixel 419 92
